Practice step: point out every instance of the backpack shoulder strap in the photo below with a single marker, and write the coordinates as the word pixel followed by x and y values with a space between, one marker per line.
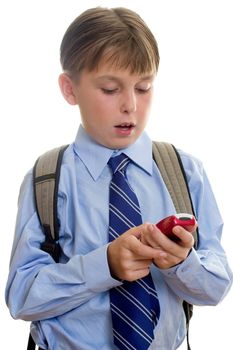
pixel 171 168
pixel 46 174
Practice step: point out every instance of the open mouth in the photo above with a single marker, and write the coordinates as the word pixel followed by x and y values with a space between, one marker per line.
pixel 125 126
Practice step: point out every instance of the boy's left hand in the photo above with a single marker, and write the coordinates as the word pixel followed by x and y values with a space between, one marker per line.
pixel 175 252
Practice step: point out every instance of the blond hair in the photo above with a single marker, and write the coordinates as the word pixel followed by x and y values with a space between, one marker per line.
pixel 118 35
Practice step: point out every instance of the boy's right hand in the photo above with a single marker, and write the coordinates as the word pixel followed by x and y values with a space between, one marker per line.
pixel 128 258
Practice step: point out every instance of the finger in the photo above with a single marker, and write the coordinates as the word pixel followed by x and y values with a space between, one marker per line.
pixel 141 250
pixel 149 236
pixel 137 231
pixel 186 238
pixel 133 275
pixel 174 249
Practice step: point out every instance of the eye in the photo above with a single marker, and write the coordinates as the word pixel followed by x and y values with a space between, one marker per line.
pixel 109 91
pixel 143 89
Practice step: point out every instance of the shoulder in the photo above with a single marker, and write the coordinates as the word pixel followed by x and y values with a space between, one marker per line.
pixel 190 162
pixel 193 168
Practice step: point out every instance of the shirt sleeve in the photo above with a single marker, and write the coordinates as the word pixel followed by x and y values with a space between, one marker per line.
pixel 205 277
pixel 37 287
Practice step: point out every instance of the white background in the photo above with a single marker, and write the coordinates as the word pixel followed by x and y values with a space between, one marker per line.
pixel 192 109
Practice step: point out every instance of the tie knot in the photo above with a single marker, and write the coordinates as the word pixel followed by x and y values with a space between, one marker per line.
pixel 119 163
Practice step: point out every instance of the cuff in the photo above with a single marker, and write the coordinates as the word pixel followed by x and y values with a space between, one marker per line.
pixel 96 271
pixel 182 270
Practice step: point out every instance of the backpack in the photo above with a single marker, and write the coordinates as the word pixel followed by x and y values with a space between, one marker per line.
pixel 46 174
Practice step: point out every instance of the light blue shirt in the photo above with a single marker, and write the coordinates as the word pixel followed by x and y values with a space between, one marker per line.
pixel 68 302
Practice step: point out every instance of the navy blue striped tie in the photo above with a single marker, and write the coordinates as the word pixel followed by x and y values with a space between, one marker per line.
pixel 134 305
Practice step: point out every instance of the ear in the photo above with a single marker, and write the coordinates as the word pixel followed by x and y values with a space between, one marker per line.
pixel 67 88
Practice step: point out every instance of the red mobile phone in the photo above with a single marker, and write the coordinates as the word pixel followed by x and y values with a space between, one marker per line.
pixel 187 221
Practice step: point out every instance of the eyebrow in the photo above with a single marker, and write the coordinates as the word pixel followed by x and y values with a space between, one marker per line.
pixel 115 78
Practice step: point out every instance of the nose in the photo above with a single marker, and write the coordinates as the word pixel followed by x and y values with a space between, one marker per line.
pixel 128 102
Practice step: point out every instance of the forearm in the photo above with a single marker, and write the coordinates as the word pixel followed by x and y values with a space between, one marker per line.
pixel 43 291
pixel 203 278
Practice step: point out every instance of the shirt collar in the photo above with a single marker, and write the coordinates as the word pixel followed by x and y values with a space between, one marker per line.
pixel 95 156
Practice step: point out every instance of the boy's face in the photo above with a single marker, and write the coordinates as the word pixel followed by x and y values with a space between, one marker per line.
pixel 114 104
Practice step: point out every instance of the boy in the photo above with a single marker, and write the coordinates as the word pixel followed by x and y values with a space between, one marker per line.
pixel 109 59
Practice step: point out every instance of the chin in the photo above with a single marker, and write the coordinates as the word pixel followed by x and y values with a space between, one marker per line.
pixel 119 144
